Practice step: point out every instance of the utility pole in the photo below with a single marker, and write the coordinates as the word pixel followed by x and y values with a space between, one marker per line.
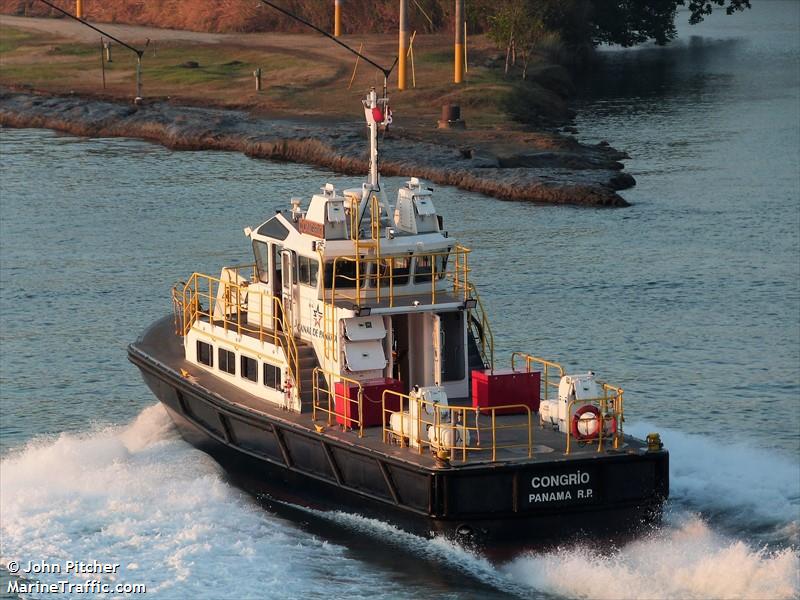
pixel 337 18
pixel 458 76
pixel 403 46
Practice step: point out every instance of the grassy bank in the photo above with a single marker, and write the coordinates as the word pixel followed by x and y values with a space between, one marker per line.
pixel 302 75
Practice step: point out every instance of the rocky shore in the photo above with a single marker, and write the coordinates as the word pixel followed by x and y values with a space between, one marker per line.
pixel 527 166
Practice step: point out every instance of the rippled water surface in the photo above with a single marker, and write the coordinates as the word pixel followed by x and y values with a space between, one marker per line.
pixel 690 300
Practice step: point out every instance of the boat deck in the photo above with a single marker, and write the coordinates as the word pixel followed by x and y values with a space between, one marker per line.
pixel 160 343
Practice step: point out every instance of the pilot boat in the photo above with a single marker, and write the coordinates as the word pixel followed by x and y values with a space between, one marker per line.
pixel 351 367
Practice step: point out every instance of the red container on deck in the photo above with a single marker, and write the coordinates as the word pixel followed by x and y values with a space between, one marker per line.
pixel 505 386
pixel 346 401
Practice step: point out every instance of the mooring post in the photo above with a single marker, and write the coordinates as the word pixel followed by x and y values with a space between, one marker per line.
pixel 257 75
pixel 403 46
pixel 458 76
pixel 79 9
pixel 337 18
pixel 107 46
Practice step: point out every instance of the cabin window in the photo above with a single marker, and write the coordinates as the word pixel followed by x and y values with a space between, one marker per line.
pixel 307 270
pixel 261 253
pixel 345 274
pixel 205 353
pixel 226 361
pixel 248 367
pixel 441 264
pixel 272 376
pixel 422 270
pixel 401 265
pixel 276 260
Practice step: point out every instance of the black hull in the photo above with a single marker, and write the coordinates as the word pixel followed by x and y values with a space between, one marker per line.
pixel 487 503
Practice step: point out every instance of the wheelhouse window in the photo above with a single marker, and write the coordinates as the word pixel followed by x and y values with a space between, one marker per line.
pixel 205 353
pixel 441 264
pixel 248 367
pixel 401 266
pixel 307 270
pixel 261 253
pixel 345 274
pixel 226 361
pixel 422 269
pixel 272 376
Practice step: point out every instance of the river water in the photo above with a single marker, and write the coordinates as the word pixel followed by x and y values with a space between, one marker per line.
pixel 690 300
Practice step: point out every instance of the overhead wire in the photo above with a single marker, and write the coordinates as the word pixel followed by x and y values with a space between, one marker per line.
pixel 386 72
pixel 138 52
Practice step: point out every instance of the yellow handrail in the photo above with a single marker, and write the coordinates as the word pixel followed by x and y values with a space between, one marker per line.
pixel 484 335
pixel 330 378
pixel 227 299
pixel 547 380
pixel 452 423
pixel 368 283
pixel 602 403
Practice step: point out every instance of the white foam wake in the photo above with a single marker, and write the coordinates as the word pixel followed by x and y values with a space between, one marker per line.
pixel 437 549
pixel 141 497
pixel 742 488
pixel 687 561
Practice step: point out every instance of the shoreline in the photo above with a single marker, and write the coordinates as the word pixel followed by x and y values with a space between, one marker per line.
pixel 522 166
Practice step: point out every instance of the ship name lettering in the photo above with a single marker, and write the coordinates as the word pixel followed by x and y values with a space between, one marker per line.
pixel 543 481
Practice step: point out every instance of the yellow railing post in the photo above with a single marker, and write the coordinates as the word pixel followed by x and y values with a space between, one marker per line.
pixel 494 434
pixel 360 411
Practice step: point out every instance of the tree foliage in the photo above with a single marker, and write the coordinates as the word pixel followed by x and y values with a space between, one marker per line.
pixel 583 23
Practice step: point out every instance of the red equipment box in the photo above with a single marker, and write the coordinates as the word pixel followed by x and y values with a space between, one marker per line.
pixel 346 401
pixel 505 386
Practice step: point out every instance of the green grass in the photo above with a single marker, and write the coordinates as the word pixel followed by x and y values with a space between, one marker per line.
pixel 12 38
pixel 75 50
pixel 215 67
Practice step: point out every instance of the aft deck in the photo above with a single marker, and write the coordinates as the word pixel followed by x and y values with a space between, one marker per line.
pixel 544 445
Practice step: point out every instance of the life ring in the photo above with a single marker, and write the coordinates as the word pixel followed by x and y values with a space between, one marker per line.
pixel 576 418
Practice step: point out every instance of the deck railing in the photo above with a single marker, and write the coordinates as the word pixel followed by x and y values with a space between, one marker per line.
pixel 225 304
pixel 481 329
pixel 552 372
pixel 361 278
pixel 458 430
pixel 329 400
pixel 609 422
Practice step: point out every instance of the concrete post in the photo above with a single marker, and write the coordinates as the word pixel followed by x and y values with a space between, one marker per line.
pixel 402 51
pixel 458 76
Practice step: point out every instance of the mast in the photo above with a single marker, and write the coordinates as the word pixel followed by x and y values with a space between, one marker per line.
pixel 371 103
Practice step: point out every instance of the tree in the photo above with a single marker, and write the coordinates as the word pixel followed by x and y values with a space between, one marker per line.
pixel 583 23
pixel 631 22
